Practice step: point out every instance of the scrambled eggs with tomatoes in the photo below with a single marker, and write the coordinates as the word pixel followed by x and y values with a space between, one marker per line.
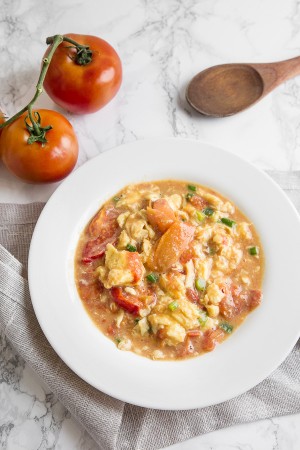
pixel 169 269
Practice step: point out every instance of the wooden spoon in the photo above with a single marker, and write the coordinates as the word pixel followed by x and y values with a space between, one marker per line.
pixel 227 89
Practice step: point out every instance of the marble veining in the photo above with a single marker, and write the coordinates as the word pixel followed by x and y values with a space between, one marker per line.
pixel 162 44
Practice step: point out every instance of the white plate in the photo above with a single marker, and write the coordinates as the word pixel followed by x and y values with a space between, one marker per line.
pixel 243 360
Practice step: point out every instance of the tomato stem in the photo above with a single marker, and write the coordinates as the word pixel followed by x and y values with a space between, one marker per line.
pixel 34 124
pixel 83 52
pixel 37 133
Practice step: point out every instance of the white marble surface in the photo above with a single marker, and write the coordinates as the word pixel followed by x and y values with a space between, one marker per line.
pixel 162 44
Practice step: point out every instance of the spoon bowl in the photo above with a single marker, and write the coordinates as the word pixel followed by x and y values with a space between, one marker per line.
pixel 227 89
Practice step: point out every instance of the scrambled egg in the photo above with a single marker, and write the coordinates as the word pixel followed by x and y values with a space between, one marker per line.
pixel 173 284
pixel 117 270
pixel 174 333
pixel 133 196
pixel 203 268
pixel 213 294
pixel 174 323
pixel 138 228
pixel 175 201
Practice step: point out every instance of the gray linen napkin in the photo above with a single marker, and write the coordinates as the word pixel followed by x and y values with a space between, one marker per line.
pixel 113 424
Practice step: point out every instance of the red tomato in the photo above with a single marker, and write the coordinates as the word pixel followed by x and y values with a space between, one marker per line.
pixel 198 202
pixel 255 296
pixel 135 266
pixel 193 333
pixel 104 223
pixel 211 338
pixel 126 301
pixel 104 230
pixel 86 88
pixel 187 348
pixel 2 119
pixel 187 255
pixel 161 215
pixel 95 248
pixel 91 291
pixel 237 301
pixel 172 244
pixel 192 295
pixel 37 162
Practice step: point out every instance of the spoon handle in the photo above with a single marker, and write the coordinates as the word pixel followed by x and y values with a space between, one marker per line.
pixel 273 74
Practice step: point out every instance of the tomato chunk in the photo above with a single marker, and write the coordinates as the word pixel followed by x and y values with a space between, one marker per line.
pixel 90 290
pixel 161 215
pixel 187 348
pixel 192 295
pixel 187 255
pixel 104 223
pixel 211 338
pixel 172 244
pixel 228 307
pixel 161 334
pixel 126 301
pixel 103 229
pixel 198 202
pixel 135 266
pixel 236 301
pixel 255 296
pixel 95 248
pixel 146 295
pixel 193 333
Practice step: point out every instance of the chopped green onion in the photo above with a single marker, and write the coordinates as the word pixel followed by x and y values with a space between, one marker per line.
pixel 189 196
pixel 116 199
pixel 192 187
pixel 226 327
pixel 208 211
pixel 253 251
pixel 203 318
pixel 228 222
pixel 212 250
pixel 152 277
pixel 200 284
pixel 130 248
pixel 118 340
pixel 173 305
pixel 200 216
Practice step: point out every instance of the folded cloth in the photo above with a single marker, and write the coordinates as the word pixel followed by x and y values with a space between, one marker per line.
pixel 112 423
